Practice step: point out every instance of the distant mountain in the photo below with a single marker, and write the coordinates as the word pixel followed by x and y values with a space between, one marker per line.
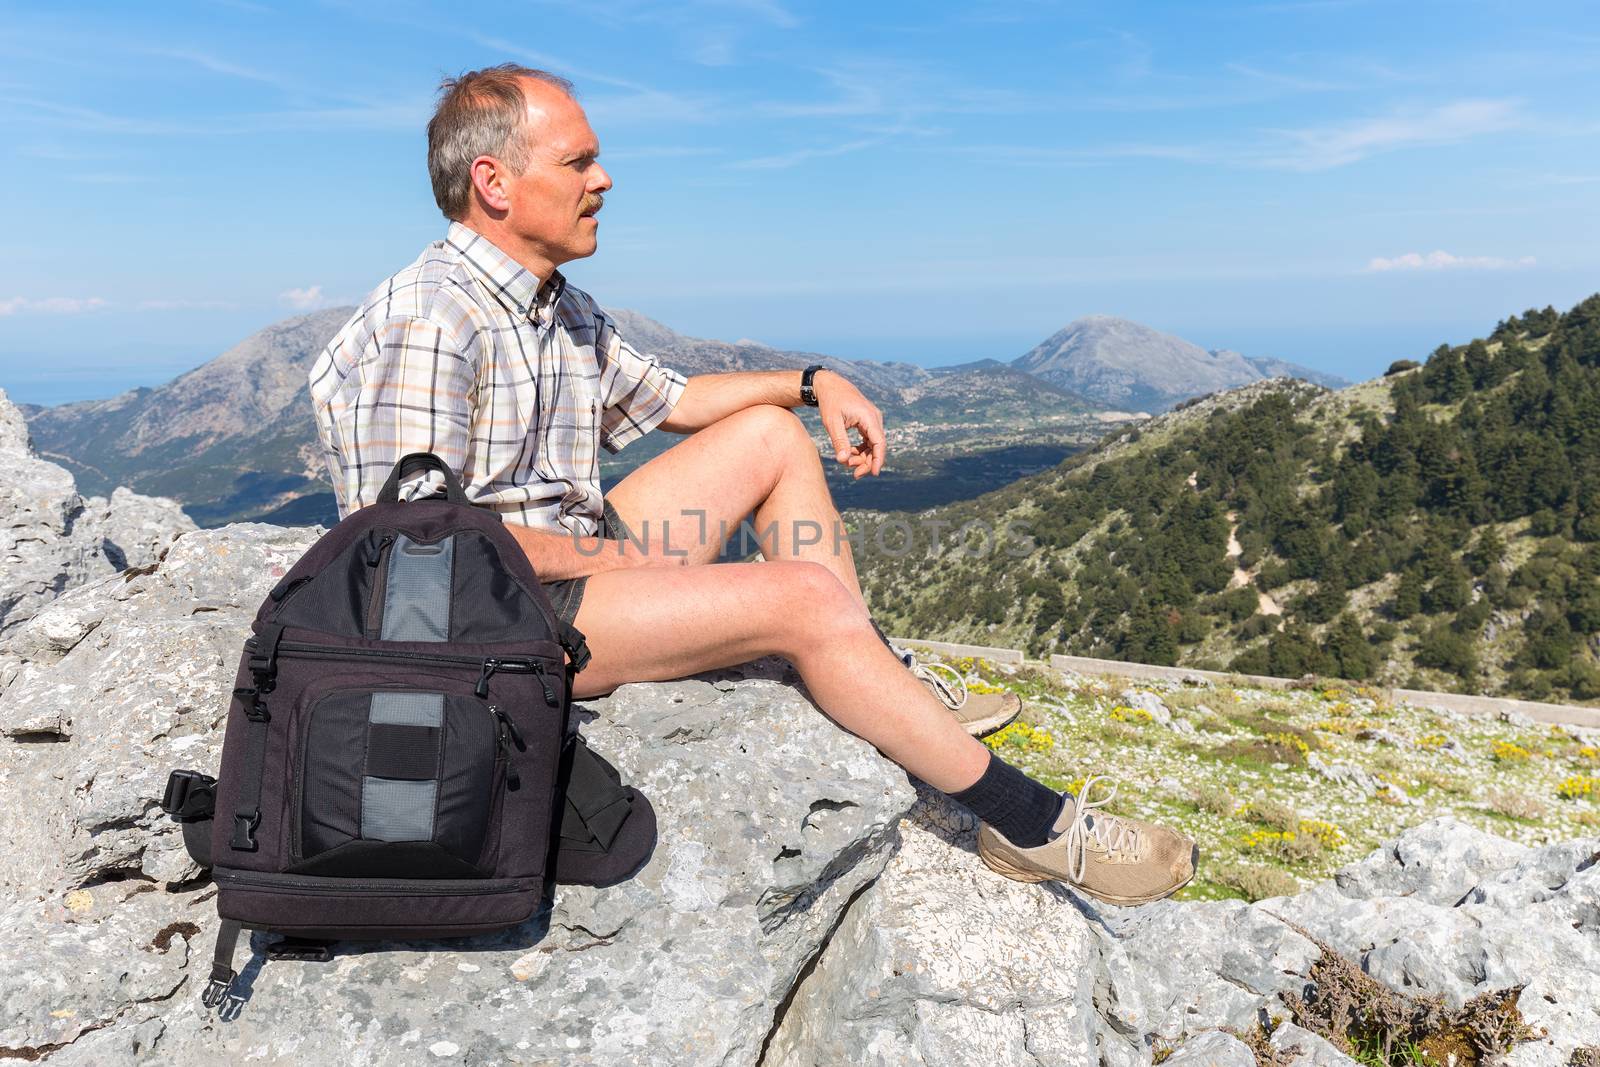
pixel 1123 364
pixel 235 438
pixel 881 382
pixel 230 438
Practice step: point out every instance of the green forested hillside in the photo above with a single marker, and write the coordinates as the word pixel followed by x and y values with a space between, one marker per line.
pixel 1440 526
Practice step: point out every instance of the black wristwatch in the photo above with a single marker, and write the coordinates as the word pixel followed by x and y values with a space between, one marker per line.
pixel 808 395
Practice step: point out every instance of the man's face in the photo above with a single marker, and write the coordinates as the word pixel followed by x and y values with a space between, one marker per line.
pixel 554 200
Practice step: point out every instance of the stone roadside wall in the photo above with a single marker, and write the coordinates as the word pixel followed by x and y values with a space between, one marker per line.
pixel 1576 715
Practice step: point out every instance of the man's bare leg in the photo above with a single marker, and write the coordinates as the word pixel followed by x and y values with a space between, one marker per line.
pixel 760 460
pixel 659 623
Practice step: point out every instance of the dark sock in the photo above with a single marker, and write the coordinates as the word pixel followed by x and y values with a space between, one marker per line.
pixel 1012 803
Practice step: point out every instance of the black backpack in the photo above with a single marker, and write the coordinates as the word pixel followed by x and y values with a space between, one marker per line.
pixel 400 759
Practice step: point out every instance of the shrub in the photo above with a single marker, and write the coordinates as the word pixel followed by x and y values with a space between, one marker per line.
pixel 1507 752
pixel 1514 804
pixel 1579 786
pixel 1255 883
pixel 1271 813
pixel 1214 798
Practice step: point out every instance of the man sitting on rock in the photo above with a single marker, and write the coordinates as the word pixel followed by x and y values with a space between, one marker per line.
pixel 481 353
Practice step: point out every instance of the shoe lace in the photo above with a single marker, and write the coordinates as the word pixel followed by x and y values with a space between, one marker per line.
pixel 1110 832
pixel 952 692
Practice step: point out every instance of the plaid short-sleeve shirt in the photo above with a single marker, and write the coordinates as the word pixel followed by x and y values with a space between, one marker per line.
pixel 514 383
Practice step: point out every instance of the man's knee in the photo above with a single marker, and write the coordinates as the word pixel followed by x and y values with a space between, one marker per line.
pixel 778 429
pixel 813 602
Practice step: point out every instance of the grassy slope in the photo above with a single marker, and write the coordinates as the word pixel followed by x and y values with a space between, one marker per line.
pixel 1243 747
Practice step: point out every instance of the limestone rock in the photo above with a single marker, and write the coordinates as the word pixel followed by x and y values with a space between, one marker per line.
pixel 942 962
pixel 122 681
pixel 1214 1048
pixel 52 539
pixel 772 819
pixel 1306 1049
pixel 1437 862
pixel 1144 700
pixel 793 912
pixel 1358 780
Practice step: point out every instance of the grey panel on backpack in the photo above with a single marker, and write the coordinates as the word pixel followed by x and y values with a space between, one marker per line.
pixel 407 709
pixel 393 810
pixel 416 601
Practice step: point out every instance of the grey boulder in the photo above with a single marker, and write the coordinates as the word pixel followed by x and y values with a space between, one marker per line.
pixel 52 539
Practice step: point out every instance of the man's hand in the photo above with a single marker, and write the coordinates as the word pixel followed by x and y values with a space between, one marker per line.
pixel 842 406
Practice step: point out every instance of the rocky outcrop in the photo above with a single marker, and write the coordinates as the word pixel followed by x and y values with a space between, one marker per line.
pixel 52 539
pixel 772 820
pixel 941 958
pixel 804 904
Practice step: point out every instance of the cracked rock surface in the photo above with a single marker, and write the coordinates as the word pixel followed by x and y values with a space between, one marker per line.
pixel 771 819
pixel 52 539
pixel 804 905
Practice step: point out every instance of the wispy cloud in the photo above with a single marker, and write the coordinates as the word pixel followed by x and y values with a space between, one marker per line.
pixel 790 159
pixel 1413 261
pixel 109 178
pixel 305 299
pixel 766 10
pixel 1341 143
pixel 182 304
pixel 1308 149
pixel 1294 82
pixel 51 305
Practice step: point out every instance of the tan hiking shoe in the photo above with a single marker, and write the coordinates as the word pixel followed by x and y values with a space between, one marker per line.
pixel 1109 857
pixel 980 714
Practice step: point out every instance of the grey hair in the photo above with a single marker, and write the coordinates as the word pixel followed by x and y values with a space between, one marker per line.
pixel 480 113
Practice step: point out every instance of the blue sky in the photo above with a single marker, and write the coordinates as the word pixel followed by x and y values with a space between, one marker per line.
pixel 1335 182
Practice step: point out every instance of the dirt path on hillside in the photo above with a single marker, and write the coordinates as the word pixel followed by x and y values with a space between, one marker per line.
pixel 1241 577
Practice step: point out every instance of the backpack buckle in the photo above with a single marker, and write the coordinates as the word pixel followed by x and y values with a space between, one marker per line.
pixel 189 794
pixel 219 991
pixel 304 949
pixel 572 639
pixel 244 831
pixel 255 709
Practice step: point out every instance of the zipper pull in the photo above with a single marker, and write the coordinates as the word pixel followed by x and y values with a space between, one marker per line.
pixel 510 728
pixel 504 735
pixel 544 683
pixel 489 667
pixel 375 550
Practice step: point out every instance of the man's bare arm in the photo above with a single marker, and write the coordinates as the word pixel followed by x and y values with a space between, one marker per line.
pixel 709 397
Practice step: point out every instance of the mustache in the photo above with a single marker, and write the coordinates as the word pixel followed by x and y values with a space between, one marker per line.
pixel 591 204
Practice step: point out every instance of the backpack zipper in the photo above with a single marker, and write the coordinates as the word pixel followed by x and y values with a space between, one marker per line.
pixel 507 734
pixel 318 885
pixel 378 559
pixel 487 665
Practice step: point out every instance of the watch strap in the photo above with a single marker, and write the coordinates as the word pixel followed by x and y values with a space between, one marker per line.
pixel 808 394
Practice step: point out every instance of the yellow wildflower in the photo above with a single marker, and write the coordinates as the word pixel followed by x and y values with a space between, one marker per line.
pixel 1268 840
pixel 1136 716
pixel 1579 785
pixel 1021 735
pixel 1327 834
pixel 1291 741
pixel 1506 752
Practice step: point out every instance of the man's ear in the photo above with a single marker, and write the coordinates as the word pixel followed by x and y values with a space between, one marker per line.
pixel 487 182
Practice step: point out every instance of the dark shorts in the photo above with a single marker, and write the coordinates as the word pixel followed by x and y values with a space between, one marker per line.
pixel 566 594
